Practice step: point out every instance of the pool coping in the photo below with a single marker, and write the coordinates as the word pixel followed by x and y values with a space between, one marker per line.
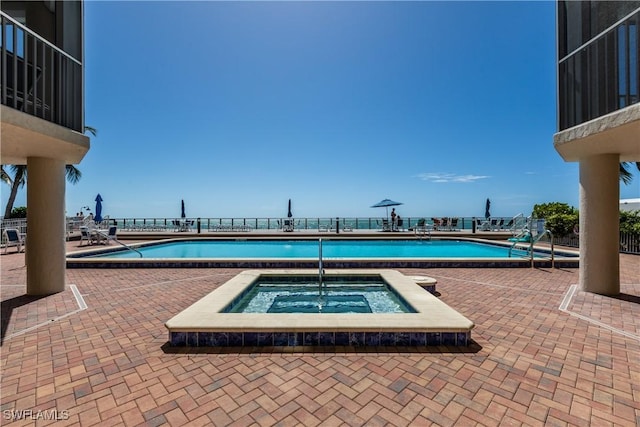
pixel 206 315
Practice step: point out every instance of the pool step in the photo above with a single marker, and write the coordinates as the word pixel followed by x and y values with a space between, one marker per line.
pixel 310 303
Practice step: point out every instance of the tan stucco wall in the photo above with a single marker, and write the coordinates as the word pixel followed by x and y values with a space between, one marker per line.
pixel 45 250
pixel 26 136
pixel 599 224
pixel 618 132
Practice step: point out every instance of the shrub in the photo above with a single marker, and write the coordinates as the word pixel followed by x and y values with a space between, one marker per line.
pixel 630 222
pixel 561 218
pixel 562 225
pixel 19 212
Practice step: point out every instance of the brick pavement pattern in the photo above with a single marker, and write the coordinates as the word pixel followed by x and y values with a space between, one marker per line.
pixel 543 353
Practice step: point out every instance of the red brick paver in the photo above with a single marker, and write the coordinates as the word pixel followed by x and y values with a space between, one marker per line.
pixel 531 362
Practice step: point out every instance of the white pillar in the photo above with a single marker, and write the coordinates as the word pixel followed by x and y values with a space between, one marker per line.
pixel 599 224
pixel 45 253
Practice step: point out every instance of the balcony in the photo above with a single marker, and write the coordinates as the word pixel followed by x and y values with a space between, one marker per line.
pixel 38 78
pixel 602 76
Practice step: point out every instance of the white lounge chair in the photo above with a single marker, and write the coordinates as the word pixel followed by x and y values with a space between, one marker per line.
pixel 111 234
pixel 385 225
pixel 12 238
pixel 422 228
pixel 287 224
pixel 86 234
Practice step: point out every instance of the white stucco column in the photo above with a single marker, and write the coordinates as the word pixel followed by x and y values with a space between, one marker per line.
pixel 45 253
pixel 599 224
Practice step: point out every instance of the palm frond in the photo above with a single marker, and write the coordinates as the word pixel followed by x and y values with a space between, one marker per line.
pixel 93 131
pixel 73 174
pixel 19 175
pixel 4 176
pixel 626 176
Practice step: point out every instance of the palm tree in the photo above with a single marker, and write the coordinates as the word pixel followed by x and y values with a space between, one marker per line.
pixel 626 176
pixel 4 176
pixel 19 180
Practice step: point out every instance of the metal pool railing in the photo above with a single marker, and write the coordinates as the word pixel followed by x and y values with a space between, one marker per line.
pixel 308 223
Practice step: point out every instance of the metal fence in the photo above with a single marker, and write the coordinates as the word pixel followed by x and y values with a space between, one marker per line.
pixel 629 243
pixel 319 223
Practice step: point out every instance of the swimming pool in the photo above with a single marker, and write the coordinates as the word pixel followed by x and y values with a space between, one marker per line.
pixel 338 294
pixel 350 253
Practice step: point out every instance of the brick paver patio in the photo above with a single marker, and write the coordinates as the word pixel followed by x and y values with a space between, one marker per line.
pixel 544 353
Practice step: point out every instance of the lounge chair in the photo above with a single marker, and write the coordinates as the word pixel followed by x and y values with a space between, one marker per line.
pixel 12 238
pixel 453 224
pixel 86 234
pixel 399 225
pixel 523 237
pixel 422 228
pixel 287 225
pixel 508 226
pixel 323 226
pixel 111 234
pixel 385 225
pixel 482 225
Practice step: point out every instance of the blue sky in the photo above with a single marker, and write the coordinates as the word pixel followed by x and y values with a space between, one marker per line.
pixel 236 107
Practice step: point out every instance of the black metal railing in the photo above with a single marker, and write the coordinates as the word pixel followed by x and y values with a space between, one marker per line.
pixel 601 76
pixel 38 78
pixel 304 223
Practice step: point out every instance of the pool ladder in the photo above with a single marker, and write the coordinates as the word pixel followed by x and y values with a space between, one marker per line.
pixel 128 247
pixel 533 241
pixel 320 275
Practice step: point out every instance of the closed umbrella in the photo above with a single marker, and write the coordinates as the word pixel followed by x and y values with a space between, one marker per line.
pixel 98 216
pixel 487 214
pixel 289 214
pixel 385 204
pixel 182 214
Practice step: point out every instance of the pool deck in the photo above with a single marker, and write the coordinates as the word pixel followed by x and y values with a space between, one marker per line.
pixel 543 353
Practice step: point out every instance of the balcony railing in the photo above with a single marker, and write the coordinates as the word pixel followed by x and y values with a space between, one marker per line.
pixel 38 78
pixel 601 76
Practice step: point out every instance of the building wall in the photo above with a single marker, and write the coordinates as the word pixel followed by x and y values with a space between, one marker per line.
pixel 599 122
pixel 42 122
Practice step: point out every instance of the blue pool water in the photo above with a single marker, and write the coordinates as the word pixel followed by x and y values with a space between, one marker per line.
pixel 345 295
pixel 332 249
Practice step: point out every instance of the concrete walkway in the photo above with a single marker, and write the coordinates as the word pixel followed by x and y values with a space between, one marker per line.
pixel 544 353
